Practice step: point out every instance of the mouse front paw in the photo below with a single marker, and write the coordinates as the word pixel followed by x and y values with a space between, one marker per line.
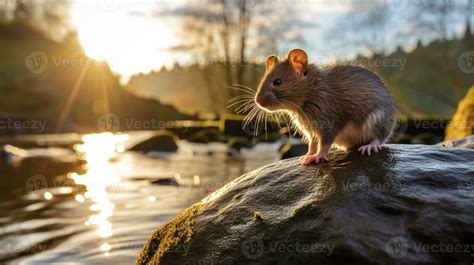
pixel 373 147
pixel 309 159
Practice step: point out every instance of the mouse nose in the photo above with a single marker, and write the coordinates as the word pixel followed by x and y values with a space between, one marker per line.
pixel 260 100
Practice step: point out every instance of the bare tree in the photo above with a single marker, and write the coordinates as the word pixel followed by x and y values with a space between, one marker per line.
pixel 239 30
pixel 244 23
pixel 54 15
pixel 5 11
pixel 435 18
pixel 365 25
pixel 470 14
pixel 48 16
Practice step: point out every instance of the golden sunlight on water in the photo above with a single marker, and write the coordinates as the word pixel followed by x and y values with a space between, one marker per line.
pixel 97 150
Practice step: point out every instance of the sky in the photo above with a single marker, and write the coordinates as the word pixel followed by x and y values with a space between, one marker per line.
pixel 132 39
pixel 130 43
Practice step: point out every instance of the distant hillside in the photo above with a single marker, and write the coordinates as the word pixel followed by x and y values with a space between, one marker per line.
pixel 426 81
pixel 195 88
pixel 434 77
pixel 39 76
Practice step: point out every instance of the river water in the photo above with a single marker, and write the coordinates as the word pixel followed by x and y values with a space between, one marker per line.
pixel 79 199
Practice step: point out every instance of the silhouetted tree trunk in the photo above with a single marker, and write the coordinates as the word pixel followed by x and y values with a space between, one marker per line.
pixel 229 22
pixel 244 22
pixel 225 34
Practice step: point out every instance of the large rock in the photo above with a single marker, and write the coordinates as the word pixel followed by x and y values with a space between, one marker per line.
pixel 462 124
pixel 467 142
pixel 237 143
pixel 206 136
pixel 161 141
pixel 409 204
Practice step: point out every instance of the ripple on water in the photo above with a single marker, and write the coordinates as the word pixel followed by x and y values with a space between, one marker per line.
pixel 104 211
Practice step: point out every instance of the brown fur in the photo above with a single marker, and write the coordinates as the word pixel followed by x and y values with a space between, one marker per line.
pixel 343 104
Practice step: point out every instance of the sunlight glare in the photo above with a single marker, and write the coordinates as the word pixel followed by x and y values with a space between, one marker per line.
pixel 97 149
pixel 129 43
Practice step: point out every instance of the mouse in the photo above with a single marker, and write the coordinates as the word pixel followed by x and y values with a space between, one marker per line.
pixel 340 106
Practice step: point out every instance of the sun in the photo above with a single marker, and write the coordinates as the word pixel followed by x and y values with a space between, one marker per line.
pixel 130 43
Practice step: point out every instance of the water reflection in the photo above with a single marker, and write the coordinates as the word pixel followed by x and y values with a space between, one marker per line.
pixel 97 150
pixel 117 195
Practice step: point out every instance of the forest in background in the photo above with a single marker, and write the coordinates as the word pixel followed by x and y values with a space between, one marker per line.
pixel 415 48
pixel 227 43
pixel 69 76
pixel 426 81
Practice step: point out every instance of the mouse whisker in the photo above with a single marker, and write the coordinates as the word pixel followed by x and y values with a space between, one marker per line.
pixel 266 120
pixel 283 115
pixel 302 112
pixel 240 97
pixel 243 90
pixel 254 117
pixel 288 125
pixel 244 87
pixel 295 127
pixel 248 122
pixel 250 115
pixel 254 114
pixel 243 108
pixel 250 112
pixel 245 100
pixel 259 119
pixel 275 116
pixel 292 117
pixel 241 101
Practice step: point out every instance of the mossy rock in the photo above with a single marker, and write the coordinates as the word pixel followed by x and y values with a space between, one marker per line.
pixel 237 143
pixel 395 207
pixel 462 124
pixel 205 136
pixel 161 141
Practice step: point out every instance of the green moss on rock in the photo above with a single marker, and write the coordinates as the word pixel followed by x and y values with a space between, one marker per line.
pixel 354 209
pixel 462 124
pixel 170 237
pixel 257 216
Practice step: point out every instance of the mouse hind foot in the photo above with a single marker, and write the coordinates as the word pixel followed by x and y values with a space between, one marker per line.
pixel 374 146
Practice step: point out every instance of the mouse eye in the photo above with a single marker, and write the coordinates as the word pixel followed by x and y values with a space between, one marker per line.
pixel 277 82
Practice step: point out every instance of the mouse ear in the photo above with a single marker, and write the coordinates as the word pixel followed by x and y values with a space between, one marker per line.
pixel 299 60
pixel 272 60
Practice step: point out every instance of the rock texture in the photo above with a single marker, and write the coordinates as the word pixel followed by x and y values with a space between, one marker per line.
pixel 409 204
pixel 462 124
pixel 467 142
